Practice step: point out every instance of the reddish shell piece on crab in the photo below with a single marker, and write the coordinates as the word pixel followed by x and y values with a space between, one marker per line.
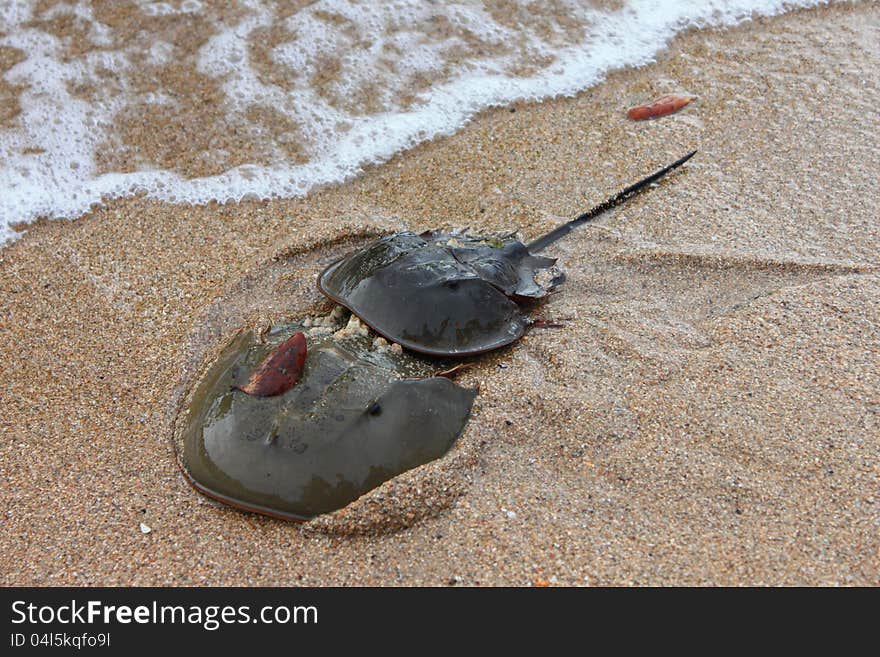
pixel 279 371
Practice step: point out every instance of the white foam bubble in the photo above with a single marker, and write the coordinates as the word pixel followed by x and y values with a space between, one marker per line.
pixel 47 157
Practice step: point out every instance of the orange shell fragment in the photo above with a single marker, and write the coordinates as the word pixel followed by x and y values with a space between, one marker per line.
pixel 280 370
pixel 660 107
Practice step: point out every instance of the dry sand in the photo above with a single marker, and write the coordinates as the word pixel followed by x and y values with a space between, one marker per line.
pixel 708 414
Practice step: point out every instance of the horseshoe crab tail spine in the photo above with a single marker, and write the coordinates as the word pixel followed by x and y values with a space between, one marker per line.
pixel 546 240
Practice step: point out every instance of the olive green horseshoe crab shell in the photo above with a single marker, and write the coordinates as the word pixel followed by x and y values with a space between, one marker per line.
pixel 441 294
pixel 359 415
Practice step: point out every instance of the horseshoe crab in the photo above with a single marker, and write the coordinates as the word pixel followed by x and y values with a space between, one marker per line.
pixel 358 413
pixel 452 294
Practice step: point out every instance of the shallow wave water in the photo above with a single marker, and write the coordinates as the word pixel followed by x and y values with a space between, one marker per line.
pixel 192 101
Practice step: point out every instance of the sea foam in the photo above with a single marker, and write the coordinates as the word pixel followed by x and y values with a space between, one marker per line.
pixel 311 95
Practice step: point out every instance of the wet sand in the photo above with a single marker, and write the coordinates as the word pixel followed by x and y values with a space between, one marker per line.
pixel 707 415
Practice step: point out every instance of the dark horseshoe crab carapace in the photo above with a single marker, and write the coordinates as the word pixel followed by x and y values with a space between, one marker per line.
pixel 453 294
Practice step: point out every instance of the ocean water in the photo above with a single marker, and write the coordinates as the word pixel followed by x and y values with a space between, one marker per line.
pixel 190 101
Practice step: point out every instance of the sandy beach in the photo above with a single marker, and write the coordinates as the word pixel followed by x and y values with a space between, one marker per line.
pixel 707 415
